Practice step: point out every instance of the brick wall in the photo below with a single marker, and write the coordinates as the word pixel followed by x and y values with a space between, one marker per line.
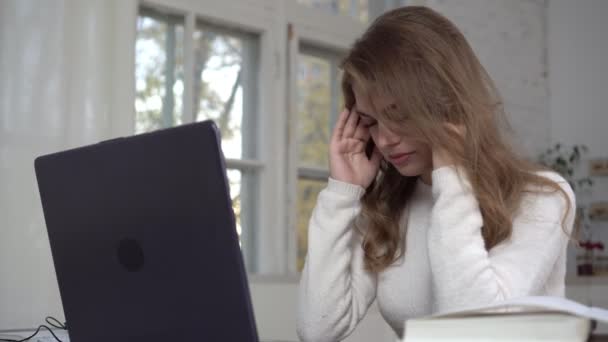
pixel 509 38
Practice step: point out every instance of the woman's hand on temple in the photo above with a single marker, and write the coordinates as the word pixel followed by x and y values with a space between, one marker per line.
pixel 347 159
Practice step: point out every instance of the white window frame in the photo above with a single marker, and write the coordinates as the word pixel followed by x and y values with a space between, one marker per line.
pixel 311 172
pixel 282 27
pixel 257 17
pixel 309 31
pixel 317 32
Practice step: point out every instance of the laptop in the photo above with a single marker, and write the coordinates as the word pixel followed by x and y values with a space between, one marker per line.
pixel 143 239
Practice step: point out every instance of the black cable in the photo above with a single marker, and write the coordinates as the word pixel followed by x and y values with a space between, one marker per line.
pixel 54 322
pixel 34 334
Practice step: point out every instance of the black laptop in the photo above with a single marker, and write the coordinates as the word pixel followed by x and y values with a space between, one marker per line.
pixel 144 241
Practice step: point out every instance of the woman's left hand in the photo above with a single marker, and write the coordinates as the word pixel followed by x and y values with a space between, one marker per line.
pixel 441 157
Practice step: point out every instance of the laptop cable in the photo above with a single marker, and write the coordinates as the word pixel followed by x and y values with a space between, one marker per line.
pixel 52 321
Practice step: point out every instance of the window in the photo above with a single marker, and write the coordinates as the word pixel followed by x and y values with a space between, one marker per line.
pixel 275 104
pixel 225 63
pixel 357 9
pixel 223 88
pixel 318 102
pixel 361 10
pixel 159 70
pixel 320 32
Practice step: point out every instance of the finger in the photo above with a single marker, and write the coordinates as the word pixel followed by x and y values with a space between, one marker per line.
pixel 339 129
pixel 361 133
pixel 351 125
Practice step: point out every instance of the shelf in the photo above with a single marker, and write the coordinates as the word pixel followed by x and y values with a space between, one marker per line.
pixel 588 280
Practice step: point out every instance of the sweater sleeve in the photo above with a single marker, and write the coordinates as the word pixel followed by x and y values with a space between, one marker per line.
pixel 464 273
pixel 335 289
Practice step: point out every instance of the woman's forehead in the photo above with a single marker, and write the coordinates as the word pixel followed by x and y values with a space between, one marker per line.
pixel 369 104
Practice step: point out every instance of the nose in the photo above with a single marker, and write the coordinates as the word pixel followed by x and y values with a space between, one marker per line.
pixel 384 137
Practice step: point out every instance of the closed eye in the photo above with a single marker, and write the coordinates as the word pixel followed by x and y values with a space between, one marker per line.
pixel 367 120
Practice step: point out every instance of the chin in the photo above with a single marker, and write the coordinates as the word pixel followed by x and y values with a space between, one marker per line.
pixel 410 170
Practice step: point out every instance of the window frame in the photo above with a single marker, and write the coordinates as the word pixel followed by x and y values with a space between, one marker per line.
pixel 284 28
pixel 313 32
pixel 249 16
pixel 171 20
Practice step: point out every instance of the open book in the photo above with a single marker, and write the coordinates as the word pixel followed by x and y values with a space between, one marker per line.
pixel 522 319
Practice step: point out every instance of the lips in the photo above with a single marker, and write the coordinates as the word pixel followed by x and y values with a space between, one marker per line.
pixel 400 158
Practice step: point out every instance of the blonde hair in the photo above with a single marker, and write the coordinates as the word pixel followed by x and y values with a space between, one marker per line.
pixel 420 59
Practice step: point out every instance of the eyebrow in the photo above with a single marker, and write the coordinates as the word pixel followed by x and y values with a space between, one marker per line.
pixel 364 114
pixel 391 106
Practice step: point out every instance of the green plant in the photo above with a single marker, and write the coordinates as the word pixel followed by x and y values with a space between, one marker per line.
pixel 565 161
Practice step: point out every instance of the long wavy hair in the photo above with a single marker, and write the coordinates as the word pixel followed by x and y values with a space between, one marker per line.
pixel 419 59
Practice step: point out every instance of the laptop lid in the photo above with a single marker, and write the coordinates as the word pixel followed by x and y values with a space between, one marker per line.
pixel 143 239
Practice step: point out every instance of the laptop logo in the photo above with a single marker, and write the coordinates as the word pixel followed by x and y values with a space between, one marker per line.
pixel 131 255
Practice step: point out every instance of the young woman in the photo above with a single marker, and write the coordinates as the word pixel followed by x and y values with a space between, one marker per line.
pixel 427 208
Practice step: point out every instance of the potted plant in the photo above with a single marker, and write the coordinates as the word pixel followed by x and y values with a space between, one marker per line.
pixel 566 160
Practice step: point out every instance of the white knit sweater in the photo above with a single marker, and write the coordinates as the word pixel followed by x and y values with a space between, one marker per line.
pixel 445 265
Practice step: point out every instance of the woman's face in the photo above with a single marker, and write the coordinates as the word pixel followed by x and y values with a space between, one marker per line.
pixel 407 153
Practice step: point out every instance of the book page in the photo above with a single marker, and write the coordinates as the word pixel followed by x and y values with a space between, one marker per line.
pixel 538 304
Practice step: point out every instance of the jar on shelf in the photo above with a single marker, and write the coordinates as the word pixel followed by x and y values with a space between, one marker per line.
pixel 584 259
pixel 600 260
pixel 589 262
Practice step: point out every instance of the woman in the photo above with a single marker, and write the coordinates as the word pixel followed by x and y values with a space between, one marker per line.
pixel 427 208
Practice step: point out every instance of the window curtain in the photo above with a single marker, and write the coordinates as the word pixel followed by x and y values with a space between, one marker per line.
pixel 66 79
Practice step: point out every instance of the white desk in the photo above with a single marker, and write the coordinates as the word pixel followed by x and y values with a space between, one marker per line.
pixel 42 336
pixel 45 336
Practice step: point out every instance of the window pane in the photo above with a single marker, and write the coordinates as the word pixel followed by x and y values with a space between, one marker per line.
pixel 358 9
pixel 158 71
pixel 225 66
pixel 242 191
pixel 308 191
pixel 314 110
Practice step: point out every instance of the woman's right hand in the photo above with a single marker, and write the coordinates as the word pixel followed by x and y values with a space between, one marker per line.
pixel 347 159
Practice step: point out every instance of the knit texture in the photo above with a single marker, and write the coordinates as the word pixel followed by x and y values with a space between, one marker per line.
pixel 445 265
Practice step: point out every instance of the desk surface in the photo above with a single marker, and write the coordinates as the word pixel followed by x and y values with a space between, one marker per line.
pixel 45 336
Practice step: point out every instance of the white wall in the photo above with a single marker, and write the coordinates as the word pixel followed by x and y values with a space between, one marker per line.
pixel 578 72
pixel 59 61
pixel 578 79
pixel 508 36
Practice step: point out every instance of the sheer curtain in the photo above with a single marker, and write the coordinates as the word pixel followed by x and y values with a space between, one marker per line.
pixel 66 79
